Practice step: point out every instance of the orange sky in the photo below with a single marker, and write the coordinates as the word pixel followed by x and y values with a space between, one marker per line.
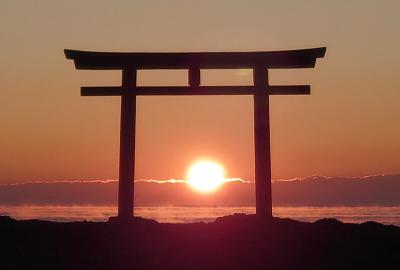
pixel 348 126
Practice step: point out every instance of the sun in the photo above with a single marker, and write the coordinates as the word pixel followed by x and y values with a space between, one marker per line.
pixel 205 176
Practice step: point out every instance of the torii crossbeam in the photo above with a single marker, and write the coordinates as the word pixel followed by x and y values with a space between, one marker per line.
pixel 260 62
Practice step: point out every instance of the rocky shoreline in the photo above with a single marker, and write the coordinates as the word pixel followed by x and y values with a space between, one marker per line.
pixel 231 242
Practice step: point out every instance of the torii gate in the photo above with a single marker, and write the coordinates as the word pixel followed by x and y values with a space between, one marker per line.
pixel 260 62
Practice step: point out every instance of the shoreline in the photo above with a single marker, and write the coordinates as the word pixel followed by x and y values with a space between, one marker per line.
pixel 174 214
pixel 231 242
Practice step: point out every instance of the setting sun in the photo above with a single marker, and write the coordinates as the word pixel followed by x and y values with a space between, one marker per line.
pixel 205 176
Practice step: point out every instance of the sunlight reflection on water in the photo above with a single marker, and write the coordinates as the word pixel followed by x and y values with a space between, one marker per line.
pixel 188 214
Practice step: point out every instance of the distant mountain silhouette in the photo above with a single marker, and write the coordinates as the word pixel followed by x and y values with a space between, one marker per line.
pixel 381 190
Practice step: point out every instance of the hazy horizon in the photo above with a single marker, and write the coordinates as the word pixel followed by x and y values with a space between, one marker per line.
pixel 378 190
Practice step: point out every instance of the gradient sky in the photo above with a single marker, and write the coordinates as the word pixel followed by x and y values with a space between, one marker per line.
pixel 348 126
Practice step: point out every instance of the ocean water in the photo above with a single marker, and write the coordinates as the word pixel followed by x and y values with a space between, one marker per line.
pixel 188 214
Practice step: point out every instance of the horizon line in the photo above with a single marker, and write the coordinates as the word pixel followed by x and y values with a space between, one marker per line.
pixel 176 181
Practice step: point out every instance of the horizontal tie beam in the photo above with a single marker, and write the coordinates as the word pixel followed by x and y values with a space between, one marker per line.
pixel 187 90
pixel 289 89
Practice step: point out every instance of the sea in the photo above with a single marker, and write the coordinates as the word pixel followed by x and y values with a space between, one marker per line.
pixel 191 214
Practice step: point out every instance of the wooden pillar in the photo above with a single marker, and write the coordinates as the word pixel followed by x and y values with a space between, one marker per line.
pixel 262 144
pixel 127 146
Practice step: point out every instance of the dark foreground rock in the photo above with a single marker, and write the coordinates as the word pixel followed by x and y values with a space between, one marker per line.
pixel 233 242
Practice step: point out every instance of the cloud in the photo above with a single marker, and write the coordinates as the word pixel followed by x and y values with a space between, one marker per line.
pixel 163 181
pixel 307 191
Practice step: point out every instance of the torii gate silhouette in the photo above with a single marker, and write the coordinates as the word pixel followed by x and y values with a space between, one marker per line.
pixel 260 62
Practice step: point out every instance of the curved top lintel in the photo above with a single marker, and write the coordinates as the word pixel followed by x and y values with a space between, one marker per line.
pixel 304 58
